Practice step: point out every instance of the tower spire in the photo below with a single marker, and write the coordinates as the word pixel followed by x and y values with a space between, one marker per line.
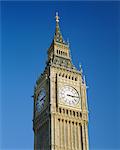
pixel 58 36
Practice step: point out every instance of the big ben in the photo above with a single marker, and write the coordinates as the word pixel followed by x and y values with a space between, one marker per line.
pixel 60 115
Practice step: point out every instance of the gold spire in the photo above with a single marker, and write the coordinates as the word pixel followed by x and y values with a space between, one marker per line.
pixel 58 35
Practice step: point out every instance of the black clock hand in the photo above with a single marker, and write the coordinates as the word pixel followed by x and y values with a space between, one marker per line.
pixel 42 98
pixel 72 96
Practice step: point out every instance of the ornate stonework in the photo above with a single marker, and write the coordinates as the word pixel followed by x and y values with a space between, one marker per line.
pixel 60 119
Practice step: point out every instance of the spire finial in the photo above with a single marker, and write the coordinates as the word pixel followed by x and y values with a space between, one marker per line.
pixel 57 17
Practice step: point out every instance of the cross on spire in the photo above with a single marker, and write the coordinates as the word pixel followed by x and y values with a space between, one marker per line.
pixel 57 17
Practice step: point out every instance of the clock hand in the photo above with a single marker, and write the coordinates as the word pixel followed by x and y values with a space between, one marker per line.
pixel 72 96
pixel 42 98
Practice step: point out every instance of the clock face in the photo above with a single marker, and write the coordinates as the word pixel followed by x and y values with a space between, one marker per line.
pixel 41 99
pixel 69 95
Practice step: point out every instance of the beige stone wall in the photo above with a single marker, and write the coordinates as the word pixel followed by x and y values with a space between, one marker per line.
pixel 68 124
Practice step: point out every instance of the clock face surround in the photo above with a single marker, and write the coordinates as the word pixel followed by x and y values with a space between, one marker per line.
pixel 41 99
pixel 69 95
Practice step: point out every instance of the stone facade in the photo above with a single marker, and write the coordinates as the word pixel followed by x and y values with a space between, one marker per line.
pixel 58 125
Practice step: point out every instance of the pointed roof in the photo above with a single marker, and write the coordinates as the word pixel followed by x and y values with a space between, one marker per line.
pixel 58 36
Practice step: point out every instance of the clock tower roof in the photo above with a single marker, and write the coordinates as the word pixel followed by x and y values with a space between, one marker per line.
pixel 59 52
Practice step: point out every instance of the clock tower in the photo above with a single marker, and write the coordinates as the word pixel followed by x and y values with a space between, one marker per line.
pixel 60 115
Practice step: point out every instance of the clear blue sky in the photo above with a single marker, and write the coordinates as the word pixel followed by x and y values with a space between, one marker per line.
pixel 27 32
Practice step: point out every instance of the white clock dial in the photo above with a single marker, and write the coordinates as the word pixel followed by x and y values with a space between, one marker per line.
pixel 69 95
pixel 40 100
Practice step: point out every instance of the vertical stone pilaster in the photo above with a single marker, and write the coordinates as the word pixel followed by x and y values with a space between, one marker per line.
pixel 75 138
pixel 83 137
pixel 52 132
pixel 72 135
pixel 59 134
pixel 65 133
pixel 68 134
pixel 71 132
pixel 56 132
pixel 78 137
pixel 86 131
pixel 69 142
pixel 62 134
